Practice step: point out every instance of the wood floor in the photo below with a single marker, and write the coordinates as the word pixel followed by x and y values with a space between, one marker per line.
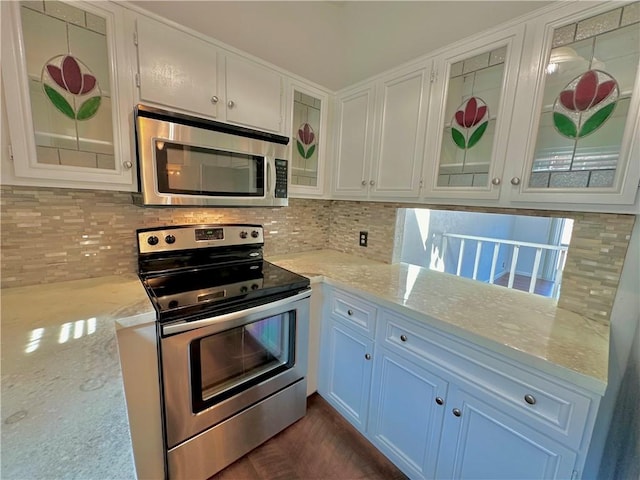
pixel 322 445
pixel 521 282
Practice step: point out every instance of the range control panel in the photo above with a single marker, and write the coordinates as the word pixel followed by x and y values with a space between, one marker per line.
pixel 188 237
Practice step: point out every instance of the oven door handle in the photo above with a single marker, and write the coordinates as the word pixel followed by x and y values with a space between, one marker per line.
pixel 188 326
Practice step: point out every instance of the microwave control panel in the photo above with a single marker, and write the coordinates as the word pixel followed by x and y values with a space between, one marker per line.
pixel 281 178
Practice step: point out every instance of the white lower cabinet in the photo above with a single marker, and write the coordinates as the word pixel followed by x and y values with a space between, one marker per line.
pixel 483 439
pixel 345 378
pixel 442 407
pixel 407 408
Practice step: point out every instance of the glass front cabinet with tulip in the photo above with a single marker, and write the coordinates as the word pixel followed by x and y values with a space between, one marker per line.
pixel 64 100
pixel 581 141
pixel 308 116
pixel 470 117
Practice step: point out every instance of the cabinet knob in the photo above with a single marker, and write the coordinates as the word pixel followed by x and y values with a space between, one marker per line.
pixel 496 181
pixel 439 401
pixel 127 164
pixel 515 181
pixel 456 412
pixel 367 356
pixel 372 183
pixel 403 338
pixel 349 312
pixel 214 99
pixel 530 399
pixel 231 104
pixel 364 182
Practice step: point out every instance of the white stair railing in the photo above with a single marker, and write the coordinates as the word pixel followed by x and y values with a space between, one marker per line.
pixel 497 243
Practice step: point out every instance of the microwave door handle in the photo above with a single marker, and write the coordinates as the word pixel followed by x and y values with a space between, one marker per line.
pixel 269 176
pixel 188 326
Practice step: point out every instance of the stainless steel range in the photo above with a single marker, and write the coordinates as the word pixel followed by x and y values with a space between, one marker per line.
pixel 233 331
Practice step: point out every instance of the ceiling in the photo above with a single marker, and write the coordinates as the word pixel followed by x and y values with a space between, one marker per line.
pixel 338 43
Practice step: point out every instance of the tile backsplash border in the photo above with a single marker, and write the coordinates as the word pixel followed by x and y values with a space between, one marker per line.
pixel 55 234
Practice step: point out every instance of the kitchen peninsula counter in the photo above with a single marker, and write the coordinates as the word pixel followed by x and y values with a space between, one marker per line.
pixel 63 406
pixel 527 328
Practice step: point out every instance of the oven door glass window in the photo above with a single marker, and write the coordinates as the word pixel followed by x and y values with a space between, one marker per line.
pixel 193 170
pixel 232 361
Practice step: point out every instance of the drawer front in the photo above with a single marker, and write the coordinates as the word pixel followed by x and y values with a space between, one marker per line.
pixel 355 312
pixel 544 405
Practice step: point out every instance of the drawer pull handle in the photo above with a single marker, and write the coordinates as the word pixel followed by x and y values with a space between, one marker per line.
pixel 530 399
pixel 457 412
pixel 439 401
pixel 403 338
pixel 367 356
pixel 349 312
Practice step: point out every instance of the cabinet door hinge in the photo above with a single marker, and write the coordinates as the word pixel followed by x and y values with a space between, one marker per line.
pixel 137 80
pixel 421 183
pixel 574 475
pixel 10 152
pixel 434 76
pixel 135 38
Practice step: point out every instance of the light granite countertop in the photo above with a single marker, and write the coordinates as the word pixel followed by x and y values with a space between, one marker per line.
pixel 62 398
pixel 63 407
pixel 527 328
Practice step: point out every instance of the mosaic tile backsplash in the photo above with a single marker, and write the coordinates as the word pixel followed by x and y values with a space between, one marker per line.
pixel 51 235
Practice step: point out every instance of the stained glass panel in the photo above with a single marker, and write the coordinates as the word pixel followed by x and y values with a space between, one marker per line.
pixel 67 61
pixel 305 139
pixel 473 99
pixel 589 80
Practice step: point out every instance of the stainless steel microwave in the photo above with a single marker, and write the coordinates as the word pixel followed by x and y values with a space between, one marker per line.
pixel 184 160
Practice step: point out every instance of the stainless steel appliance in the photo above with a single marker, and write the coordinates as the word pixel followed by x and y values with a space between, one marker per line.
pixel 184 160
pixel 233 331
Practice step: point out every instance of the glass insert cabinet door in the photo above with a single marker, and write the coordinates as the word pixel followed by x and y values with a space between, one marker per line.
pixel 66 81
pixel 588 105
pixel 308 132
pixel 474 99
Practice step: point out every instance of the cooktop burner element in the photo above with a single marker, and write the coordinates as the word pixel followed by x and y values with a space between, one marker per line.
pixel 197 270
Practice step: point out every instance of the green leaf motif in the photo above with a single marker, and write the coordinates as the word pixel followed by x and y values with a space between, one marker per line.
pixel 458 138
pixel 312 149
pixel 300 148
pixel 59 102
pixel 89 108
pixel 596 120
pixel 477 135
pixel 564 125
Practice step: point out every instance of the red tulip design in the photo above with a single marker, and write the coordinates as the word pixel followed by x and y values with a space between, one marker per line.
pixel 306 141
pixel 585 104
pixel 67 73
pixel 71 78
pixel 472 114
pixel 473 117
pixel 587 93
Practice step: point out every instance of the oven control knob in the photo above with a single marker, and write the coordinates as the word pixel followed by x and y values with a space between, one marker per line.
pixel 243 234
pixel 152 240
pixel 254 286
pixel 255 234
pixel 170 239
pixel 244 289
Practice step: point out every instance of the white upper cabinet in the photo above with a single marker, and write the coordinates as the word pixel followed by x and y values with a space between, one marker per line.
pixel 399 135
pixel 578 108
pixel 177 69
pixel 185 72
pixel 354 135
pixel 67 84
pixel 470 116
pixel 253 94
pixel 380 136
pixel 308 117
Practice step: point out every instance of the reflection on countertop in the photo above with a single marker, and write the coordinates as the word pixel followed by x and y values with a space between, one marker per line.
pixel 63 408
pixel 527 328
